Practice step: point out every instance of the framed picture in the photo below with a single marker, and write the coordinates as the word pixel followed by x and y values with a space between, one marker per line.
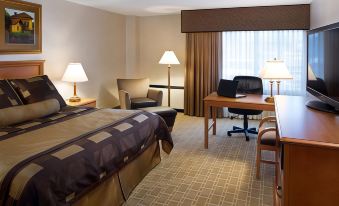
pixel 20 27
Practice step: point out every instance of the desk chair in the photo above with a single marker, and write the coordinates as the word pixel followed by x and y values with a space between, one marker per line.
pixel 267 140
pixel 246 85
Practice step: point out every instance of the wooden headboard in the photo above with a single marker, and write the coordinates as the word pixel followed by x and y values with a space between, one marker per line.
pixel 21 69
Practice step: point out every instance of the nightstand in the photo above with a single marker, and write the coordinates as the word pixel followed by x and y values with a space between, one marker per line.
pixel 87 102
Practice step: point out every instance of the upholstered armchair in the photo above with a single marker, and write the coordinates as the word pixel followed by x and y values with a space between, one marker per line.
pixel 135 94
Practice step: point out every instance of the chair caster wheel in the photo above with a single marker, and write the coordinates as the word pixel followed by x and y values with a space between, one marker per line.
pixel 247 138
pixel 229 134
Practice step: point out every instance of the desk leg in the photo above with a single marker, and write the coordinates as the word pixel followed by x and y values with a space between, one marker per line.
pixel 206 108
pixel 214 116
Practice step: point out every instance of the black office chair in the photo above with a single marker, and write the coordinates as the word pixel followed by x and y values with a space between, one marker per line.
pixel 246 85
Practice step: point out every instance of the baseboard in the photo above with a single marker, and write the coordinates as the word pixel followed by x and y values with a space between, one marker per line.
pixel 179 110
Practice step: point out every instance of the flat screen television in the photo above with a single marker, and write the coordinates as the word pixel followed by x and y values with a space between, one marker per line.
pixel 323 68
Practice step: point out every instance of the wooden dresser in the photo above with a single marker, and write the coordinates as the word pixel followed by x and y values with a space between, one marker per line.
pixel 308 172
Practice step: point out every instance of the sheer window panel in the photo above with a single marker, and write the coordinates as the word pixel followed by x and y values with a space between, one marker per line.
pixel 245 53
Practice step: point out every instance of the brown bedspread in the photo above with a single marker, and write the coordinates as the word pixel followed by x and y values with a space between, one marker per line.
pixel 56 160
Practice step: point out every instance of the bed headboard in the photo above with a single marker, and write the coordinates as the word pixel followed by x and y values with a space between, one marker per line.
pixel 21 69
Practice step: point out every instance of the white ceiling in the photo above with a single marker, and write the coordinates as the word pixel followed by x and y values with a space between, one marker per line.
pixel 158 7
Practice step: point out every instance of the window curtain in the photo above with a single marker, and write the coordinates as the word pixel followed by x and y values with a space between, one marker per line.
pixel 245 53
pixel 203 69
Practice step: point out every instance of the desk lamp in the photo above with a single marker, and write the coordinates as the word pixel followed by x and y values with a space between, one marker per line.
pixel 274 70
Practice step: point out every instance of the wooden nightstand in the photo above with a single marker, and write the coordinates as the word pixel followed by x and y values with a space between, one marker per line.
pixel 87 102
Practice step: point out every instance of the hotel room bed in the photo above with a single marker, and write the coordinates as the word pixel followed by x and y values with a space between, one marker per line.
pixel 79 156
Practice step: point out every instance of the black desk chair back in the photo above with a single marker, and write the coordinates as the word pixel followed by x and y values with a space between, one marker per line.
pixel 246 85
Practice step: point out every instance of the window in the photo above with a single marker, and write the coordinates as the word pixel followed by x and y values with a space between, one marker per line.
pixel 245 53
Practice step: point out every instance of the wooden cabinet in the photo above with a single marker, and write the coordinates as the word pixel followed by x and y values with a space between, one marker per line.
pixel 87 102
pixel 309 155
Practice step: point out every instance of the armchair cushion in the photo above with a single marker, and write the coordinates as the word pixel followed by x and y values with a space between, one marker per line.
pixel 268 138
pixel 142 102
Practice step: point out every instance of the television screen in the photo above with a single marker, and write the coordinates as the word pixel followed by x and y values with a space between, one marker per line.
pixel 323 64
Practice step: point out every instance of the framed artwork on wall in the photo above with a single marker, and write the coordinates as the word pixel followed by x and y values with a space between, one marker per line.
pixel 20 27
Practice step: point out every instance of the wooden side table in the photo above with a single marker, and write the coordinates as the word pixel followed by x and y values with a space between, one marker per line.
pixel 88 102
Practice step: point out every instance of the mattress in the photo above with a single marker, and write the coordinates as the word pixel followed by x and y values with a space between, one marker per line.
pixel 59 159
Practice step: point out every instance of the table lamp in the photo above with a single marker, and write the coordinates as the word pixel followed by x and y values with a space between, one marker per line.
pixel 169 58
pixel 75 73
pixel 274 70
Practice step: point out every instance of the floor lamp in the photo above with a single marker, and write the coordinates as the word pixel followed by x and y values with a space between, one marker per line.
pixel 169 58
pixel 275 70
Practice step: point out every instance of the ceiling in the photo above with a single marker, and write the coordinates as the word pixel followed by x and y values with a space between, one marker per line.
pixel 160 7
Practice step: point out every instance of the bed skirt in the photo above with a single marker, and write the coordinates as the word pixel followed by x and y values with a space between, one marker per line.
pixel 116 189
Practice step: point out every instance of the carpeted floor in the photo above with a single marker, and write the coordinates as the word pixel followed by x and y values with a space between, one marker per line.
pixel 222 175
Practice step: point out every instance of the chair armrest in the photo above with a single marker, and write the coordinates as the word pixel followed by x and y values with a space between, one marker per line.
pixel 267 119
pixel 155 95
pixel 125 100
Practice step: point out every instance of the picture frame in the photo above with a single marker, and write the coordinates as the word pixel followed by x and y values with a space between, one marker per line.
pixel 20 27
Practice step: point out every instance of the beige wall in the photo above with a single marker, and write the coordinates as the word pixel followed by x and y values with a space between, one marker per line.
pixel 132 31
pixel 155 35
pixel 109 46
pixel 324 12
pixel 75 33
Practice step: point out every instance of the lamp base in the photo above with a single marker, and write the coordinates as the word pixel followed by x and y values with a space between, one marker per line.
pixel 74 99
pixel 269 99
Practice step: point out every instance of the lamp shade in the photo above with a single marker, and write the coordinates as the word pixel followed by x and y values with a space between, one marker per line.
pixel 275 69
pixel 169 58
pixel 74 73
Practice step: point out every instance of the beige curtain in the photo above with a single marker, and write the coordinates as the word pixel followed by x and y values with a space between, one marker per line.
pixel 203 69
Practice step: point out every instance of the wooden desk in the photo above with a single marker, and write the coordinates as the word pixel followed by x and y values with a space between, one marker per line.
pixel 251 101
pixel 309 154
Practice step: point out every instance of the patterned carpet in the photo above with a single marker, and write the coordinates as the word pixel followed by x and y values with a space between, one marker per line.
pixel 222 175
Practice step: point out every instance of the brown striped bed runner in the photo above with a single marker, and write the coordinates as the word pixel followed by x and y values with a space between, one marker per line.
pixel 53 161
